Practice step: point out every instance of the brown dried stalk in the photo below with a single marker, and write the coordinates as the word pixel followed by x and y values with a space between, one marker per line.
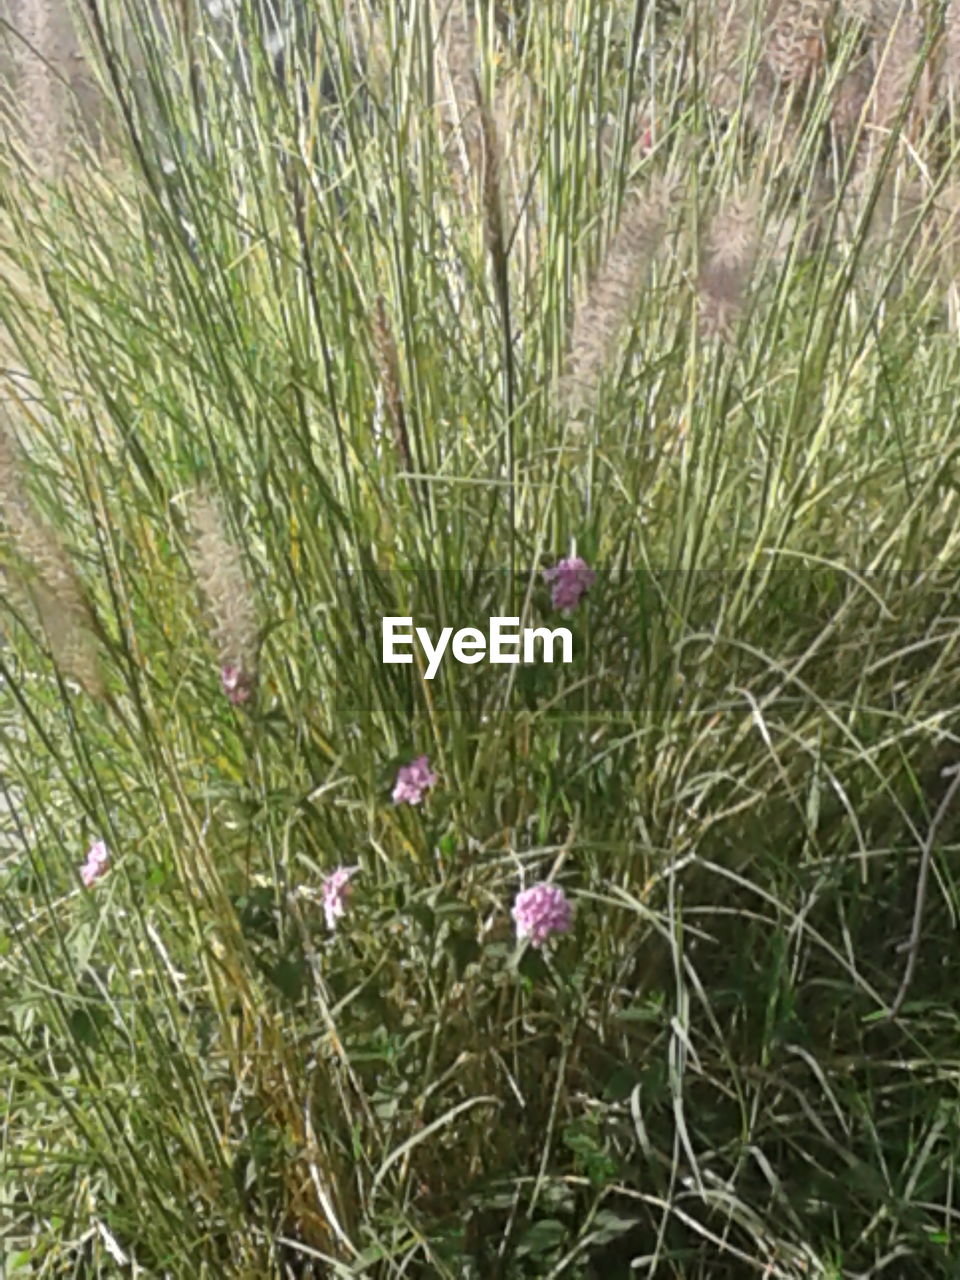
pixel 388 362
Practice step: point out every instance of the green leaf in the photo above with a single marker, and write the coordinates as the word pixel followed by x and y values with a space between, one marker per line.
pixel 621 1083
pixel 289 976
pixel 608 1226
pixel 464 950
pixel 542 1237
pixel 533 966
pixel 86 1025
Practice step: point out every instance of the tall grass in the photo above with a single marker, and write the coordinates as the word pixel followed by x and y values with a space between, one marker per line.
pixel 474 292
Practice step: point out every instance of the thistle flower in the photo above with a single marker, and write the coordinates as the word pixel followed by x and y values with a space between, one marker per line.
pixel 540 911
pixel 336 889
pixel 217 565
pixel 570 579
pixel 96 864
pixel 412 781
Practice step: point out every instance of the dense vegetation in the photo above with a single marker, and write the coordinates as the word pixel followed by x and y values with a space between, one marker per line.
pixel 445 301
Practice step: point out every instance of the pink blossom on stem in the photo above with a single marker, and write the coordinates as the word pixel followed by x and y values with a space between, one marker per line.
pixel 236 683
pixel 336 888
pixel 412 781
pixel 570 578
pixel 540 911
pixel 96 864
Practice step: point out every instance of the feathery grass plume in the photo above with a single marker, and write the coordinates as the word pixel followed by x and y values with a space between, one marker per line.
pixel 474 146
pixel 219 571
pixel 490 190
pixel 795 38
pixel 783 39
pixel 857 10
pixel 609 303
pixel 460 116
pixel 388 363
pixel 735 52
pixel 899 38
pixel 951 50
pixel 43 578
pixel 849 101
pixel 727 33
pixel 732 247
pixel 40 89
pixel 948 250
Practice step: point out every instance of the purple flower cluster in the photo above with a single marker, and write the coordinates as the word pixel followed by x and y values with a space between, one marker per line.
pixel 570 579
pixel 538 912
pixel 541 910
pixel 96 864
pixel 413 780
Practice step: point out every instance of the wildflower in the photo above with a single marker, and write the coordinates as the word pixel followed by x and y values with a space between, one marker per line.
pixel 412 781
pixel 96 863
pixel 336 887
pixel 237 683
pixel 570 579
pixel 540 911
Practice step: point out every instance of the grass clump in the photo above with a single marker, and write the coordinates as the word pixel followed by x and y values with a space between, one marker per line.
pixel 312 965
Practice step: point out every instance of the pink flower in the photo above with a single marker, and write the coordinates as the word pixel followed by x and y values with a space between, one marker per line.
pixel 412 780
pixel 236 682
pixel 540 911
pixel 336 887
pixel 570 579
pixel 96 863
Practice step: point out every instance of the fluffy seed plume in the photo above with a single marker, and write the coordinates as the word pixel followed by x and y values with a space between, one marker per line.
pixel 219 571
pixel 951 49
pixel 460 119
pixel 899 39
pixel 727 35
pixel 609 303
pixel 849 101
pixel 795 38
pixel 42 577
pixel 731 254
pixel 389 367
pixel 473 140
